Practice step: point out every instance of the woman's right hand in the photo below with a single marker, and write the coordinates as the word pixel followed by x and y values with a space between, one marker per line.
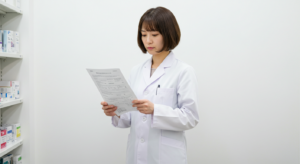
pixel 109 110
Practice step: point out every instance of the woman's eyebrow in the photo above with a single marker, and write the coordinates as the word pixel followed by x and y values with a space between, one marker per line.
pixel 149 31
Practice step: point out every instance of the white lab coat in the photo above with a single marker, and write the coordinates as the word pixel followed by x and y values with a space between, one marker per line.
pixel 159 138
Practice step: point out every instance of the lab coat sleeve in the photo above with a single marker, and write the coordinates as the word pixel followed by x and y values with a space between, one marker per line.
pixel 125 119
pixel 186 115
pixel 123 122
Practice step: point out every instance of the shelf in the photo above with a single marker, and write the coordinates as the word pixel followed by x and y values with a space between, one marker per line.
pixel 10 103
pixel 9 55
pixel 10 147
pixel 7 8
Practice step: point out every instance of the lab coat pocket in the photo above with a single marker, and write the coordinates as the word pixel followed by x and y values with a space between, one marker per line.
pixel 172 151
pixel 165 96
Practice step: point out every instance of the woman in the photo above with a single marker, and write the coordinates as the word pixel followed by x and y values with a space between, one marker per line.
pixel 166 89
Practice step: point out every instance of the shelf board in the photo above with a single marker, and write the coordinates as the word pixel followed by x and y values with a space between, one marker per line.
pixel 10 103
pixel 9 55
pixel 7 8
pixel 10 147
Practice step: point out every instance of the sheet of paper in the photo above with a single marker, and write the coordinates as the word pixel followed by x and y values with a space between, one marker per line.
pixel 114 88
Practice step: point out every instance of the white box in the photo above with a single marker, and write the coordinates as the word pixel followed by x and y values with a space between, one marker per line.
pixel 11 2
pixel 17 159
pixel 9 135
pixel 9 93
pixel 6 93
pixel 13 46
pixel 4 40
pixel 3 94
pixel 17 42
pixel 8 159
pixel 1 31
pixel 7 41
pixel 10 90
pixel 2 138
pixel 18 4
pixel 6 83
pixel 16 132
pixel 15 90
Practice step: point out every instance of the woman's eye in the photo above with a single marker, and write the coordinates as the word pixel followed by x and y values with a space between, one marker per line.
pixel 155 35
pixel 143 35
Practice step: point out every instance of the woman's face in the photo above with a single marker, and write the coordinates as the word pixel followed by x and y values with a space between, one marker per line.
pixel 153 41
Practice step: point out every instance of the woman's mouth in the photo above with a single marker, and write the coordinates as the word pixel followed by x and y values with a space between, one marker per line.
pixel 150 48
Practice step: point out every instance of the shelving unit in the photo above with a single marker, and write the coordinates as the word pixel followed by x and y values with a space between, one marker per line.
pixel 11 147
pixel 5 9
pixel 10 103
pixel 9 55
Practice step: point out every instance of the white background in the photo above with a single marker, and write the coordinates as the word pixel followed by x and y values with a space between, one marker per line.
pixel 245 53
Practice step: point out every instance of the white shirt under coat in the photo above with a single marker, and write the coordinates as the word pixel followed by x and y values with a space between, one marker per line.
pixel 159 138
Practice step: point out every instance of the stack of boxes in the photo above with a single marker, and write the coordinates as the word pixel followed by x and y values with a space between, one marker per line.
pixel 7 159
pixel 10 133
pixel 17 159
pixel 2 138
pixel 10 41
pixel 10 159
pixel 16 3
pixel 9 90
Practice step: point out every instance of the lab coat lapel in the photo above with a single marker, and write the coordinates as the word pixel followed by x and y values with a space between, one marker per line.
pixel 146 71
pixel 160 71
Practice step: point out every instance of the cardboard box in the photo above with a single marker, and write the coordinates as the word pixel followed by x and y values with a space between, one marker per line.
pixel 6 83
pixel 1 94
pixel 6 94
pixel 16 89
pixel 17 159
pixel 8 159
pixel 9 135
pixel 11 2
pixel 2 138
pixel 16 132
pixel 9 90
pixel 17 42
pixel 7 41
pixel 18 4
pixel 1 33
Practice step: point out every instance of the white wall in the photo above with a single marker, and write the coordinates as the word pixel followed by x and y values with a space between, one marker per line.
pixel 246 54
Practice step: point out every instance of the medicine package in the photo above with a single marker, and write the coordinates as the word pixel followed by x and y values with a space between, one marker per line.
pixel 9 90
pixel 10 41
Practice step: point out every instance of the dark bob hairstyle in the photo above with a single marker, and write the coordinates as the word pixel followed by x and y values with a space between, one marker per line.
pixel 162 20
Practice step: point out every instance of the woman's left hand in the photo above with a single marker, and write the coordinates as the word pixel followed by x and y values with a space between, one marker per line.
pixel 144 106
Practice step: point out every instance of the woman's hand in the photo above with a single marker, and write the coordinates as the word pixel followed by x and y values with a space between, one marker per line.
pixel 144 106
pixel 109 110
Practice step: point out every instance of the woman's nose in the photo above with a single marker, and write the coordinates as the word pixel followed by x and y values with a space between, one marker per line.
pixel 149 40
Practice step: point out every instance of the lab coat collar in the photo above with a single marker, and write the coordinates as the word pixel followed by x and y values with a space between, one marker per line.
pixel 160 71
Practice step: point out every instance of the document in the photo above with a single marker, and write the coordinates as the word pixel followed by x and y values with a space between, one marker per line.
pixel 114 89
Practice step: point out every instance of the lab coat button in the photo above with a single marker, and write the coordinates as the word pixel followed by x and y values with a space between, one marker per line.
pixel 144 118
pixel 142 140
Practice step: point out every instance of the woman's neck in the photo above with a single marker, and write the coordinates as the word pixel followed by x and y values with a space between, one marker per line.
pixel 157 59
